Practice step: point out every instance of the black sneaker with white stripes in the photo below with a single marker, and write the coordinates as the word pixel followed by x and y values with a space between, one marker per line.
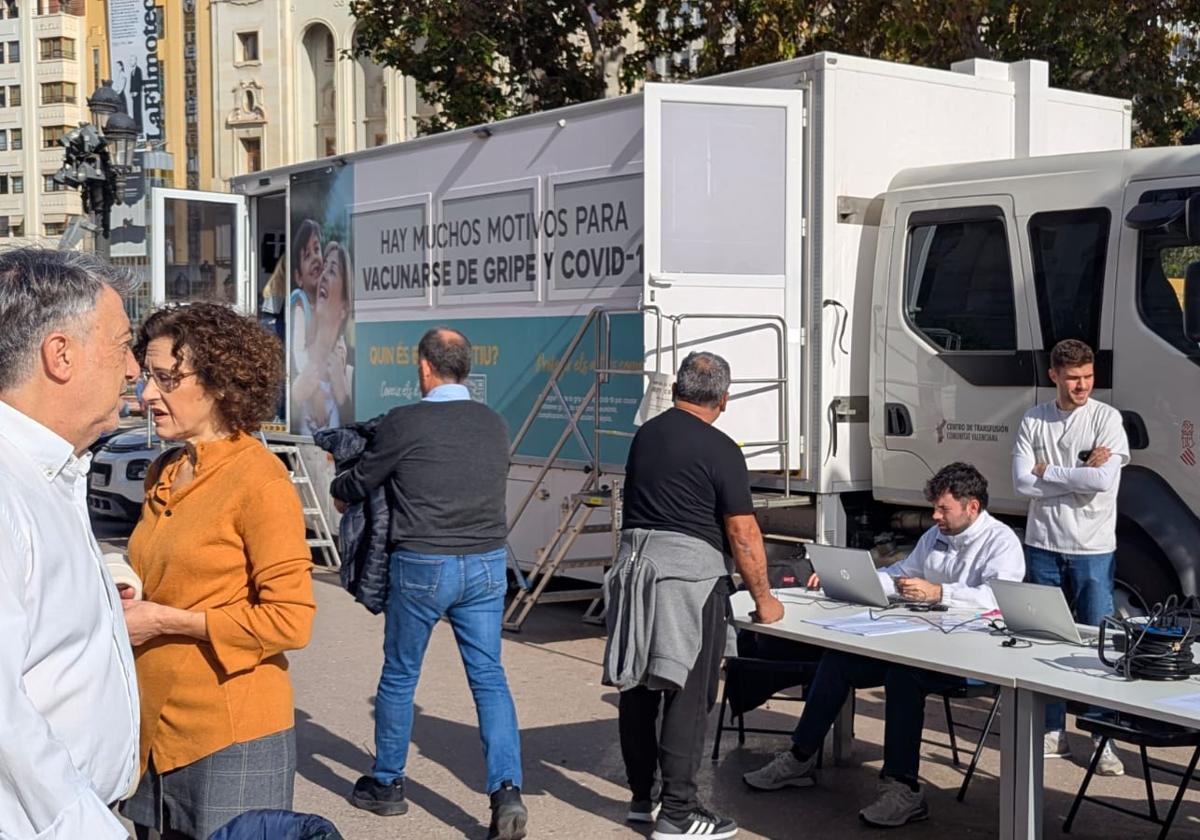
pixel 699 823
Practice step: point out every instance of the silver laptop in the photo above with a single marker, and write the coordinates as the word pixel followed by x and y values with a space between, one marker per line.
pixel 848 574
pixel 1036 611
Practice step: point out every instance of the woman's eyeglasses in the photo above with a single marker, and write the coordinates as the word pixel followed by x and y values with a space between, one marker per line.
pixel 166 381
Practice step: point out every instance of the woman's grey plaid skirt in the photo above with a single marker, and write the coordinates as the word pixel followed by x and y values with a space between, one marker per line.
pixel 197 799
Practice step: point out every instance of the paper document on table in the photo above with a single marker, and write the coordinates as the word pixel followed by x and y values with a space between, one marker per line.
pixel 863 625
pixel 949 622
pixel 1187 702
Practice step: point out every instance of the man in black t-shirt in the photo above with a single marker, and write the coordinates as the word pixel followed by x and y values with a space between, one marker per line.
pixel 685 476
pixel 687 509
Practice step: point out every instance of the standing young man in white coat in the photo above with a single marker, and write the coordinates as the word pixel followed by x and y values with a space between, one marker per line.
pixel 1067 461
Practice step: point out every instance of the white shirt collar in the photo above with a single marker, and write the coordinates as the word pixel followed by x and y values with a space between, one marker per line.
pixel 49 452
pixel 979 526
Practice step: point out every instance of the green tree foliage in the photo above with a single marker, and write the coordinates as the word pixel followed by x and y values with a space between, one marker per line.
pixel 484 60
pixel 480 60
pixel 1126 49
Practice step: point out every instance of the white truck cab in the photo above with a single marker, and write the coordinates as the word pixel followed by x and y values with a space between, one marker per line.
pixel 982 268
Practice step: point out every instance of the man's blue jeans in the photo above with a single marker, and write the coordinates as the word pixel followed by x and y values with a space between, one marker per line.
pixel 1087 582
pixel 904 706
pixel 467 589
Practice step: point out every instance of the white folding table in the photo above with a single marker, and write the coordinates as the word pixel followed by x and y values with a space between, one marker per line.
pixel 1028 678
pixel 964 653
pixel 1059 671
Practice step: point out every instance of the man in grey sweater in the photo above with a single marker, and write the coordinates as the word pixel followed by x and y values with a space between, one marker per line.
pixel 444 462
pixel 687 507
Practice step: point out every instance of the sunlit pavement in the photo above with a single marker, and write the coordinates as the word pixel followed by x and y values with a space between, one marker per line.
pixel 574 781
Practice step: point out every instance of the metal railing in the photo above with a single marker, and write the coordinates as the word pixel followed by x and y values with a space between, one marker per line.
pixel 600 318
pixel 604 351
pixel 779 326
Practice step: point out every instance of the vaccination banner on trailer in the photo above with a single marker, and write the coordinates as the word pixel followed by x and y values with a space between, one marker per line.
pixel 490 260
pixel 485 244
pixel 514 357
pixel 320 326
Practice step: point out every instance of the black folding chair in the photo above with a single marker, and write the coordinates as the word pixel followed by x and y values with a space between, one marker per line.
pixel 968 692
pixel 1142 733
pixel 741 673
pixel 764 667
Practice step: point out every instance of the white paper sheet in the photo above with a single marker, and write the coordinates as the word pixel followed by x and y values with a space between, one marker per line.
pixel 861 624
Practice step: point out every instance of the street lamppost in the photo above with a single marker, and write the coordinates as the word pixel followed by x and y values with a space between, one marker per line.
pixel 99 155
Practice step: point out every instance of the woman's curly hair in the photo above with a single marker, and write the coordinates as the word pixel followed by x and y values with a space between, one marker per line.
pixel 236 360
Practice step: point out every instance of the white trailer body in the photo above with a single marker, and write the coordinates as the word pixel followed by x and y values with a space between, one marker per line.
pixel 740 215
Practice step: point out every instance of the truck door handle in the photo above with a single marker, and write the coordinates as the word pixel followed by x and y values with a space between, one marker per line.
pixel 658 281
pixel 899 421
pixel 1135 430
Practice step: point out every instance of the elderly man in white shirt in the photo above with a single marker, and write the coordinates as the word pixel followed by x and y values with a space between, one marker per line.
pixel 952 564
pixel 68 689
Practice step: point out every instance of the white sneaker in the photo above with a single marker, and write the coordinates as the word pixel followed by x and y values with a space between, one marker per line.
pixel 1109 764
pixel 784 770
pixel 1054 744
pixel 897 805
pixel 699 823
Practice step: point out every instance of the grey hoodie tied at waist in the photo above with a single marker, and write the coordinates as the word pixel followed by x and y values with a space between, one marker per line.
pixel 654 597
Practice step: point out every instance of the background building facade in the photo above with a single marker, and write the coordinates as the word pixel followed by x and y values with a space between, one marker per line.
pixel 43 92
pixel 245 85
pixel 285 89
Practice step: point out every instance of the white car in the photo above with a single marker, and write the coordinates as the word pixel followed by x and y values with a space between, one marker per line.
pixel 115 483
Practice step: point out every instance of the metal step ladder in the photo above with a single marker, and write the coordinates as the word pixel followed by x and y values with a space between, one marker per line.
pixel 314 516
pixel 552 558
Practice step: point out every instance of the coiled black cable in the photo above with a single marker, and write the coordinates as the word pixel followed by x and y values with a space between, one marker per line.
pixel 1158 647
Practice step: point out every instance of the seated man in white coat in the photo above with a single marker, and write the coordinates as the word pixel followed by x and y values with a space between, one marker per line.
pixel 952 564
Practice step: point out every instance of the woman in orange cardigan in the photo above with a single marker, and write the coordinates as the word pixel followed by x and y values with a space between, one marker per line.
pixel 226 576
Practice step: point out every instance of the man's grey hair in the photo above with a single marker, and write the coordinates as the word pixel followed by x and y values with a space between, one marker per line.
pixel 43 290
pixel 703 379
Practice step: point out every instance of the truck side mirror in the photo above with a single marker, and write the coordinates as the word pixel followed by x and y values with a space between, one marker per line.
pixel 1176 214
pixel 1191 302
pixel 1191 218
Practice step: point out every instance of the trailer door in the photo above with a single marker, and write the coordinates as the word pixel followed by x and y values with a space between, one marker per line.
pixel 201 248
pixel 723 187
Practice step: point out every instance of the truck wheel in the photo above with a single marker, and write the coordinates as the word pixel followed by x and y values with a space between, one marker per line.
pixel 1127 603
pixel 1143 578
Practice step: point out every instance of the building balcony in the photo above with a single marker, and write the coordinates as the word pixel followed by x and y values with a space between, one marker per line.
pixel 63 113
pixel 59 70
pixel 50 157
pixel 60 203
pixel 67 24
